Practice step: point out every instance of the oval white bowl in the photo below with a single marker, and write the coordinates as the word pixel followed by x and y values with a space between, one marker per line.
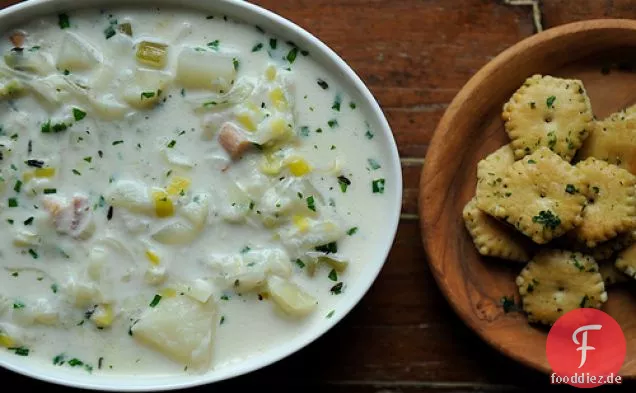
pixel 248 13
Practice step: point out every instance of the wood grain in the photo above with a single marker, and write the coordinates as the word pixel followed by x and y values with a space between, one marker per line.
pixel 415 55
pixel 475 285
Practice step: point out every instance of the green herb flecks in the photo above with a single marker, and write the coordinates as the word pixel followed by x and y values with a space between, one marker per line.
pixel 333 275
pixel 344 183
pixel 214 45
pixel 291 56
pixel 311 203
pixel 78 114
pixel 329 248
pixel 63 21
pixel 377 186
pixel 373 164
pixel 257 47
pixel 155 301
pixel 336 289
pixel 547 219
pixel 550 101
pixel 352 231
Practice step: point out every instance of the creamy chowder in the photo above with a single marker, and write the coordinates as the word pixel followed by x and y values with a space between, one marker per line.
pixel 179 191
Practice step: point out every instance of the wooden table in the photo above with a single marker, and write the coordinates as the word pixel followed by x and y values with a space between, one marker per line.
pixel 414 55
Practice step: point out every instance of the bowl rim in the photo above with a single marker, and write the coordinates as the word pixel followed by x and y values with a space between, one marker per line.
pixel 432 162
pixel 323 55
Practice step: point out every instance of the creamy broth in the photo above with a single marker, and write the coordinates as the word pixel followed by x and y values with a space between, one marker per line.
pixel 180 192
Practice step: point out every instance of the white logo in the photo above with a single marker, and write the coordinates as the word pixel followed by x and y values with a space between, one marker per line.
pixel 584 347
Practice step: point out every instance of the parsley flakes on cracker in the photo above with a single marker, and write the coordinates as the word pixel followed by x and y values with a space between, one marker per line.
pixel 548 112
pixel 556 281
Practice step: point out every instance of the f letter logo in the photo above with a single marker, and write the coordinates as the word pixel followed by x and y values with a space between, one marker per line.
pixel 586 348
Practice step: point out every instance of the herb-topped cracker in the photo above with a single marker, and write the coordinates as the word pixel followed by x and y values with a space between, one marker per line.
pixel 548 112
pixel 555 282
pixel 614 140
pixel 543 196
pixel 493 238
pixel 612 202
pixel 490 172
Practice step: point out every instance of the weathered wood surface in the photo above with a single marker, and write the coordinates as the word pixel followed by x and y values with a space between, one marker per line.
pixel 414 55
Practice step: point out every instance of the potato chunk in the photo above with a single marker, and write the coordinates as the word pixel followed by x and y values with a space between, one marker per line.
pixel 180 328
pixel 206 70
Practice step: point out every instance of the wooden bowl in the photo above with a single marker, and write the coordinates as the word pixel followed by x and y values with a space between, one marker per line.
pixel 598 53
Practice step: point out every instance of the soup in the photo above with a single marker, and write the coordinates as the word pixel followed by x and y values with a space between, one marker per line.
pixel 180 191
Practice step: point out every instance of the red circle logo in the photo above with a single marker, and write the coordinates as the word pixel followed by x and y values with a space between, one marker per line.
pixel 586 348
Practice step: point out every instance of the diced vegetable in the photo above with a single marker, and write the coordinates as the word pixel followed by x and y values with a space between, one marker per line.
pixel 155 275
pixel 103 316
pixel 163 204
pixel 180 328
pixel 146 90
pixel 76 54
pixel 233 140
pixel 176 232
pixel 298 166
pixel 197 210
pixel 130 195
pixel 153 54
pixel 178 185
pixel 290 297
pixel 82 293
pixel 205 70
pixel 10 88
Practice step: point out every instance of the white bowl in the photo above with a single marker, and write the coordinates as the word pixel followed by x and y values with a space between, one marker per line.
pixel 240 10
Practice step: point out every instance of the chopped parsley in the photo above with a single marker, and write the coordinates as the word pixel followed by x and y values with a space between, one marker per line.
pixel 214 45
pixel 18 186
pixel 35 163
pixel 336 103
pixel 20 351
pixel 547 219
pixel 324 85
pixel 225 297
pixel 311 203
pixel 54 288
pixel 300 263
pixel 88 159
pixel 369 134
pixel 257 47
pixel 76 172
pixel 304 131
pixel 508 304
pixel 147 94
pixel 171 144
pixel 352 231
pixel 330 314
pixel 336 289
pixel 570 189
pixel 291 56
pixel 115 143
pixel 532 162
pixel 109 215
pixel 63 21
pixel 596 189
pixel 17 305
pixel 273 43
pixel 344 183
pixel 333 275
pixel 13 202
pixel 222 321
pixel 333 123
pixel 246 249
pixel 329 248
pixel 577 263
pixel 28 221
pixel 59 360
pixel 550 101
pixel 373 164
pixel 33 253
pixel 155 301
pixel 109 32
pixel 78 114
pixel 237 63
pixel 50 190
pixel 378 186
pixel 352 105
